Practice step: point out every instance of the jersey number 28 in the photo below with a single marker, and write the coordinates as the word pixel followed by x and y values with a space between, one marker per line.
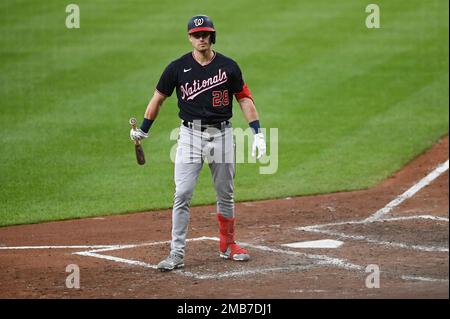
pixel 220 98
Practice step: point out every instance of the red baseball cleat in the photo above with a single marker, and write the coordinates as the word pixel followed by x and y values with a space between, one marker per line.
pixel 228 248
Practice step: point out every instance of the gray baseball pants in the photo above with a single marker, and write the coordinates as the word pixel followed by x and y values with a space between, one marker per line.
pixel 194 148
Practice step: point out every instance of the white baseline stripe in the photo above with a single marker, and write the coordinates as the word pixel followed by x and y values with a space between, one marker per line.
pixel 378 242
pixel 117 259
pixel 410 192
pixel 397 201
pixel 393 219
pixel 323 260
pixel 326 260
pixel 356 222
pixel 99 248
pixel 62 247
pixel 244 272
pixel 120 247
pixel 190 274
pixel 424 279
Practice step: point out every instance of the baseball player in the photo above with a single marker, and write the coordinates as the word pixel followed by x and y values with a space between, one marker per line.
pixel 205 83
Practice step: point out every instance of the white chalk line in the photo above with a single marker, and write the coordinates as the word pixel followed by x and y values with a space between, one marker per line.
pixel 377 216
pixel 103 248
pixel 192 274
pixel 294 291
pixel 98 248
pixel 315 229
pixel 117 247
pixel 244 272
pixel 61 247
pixel 418 278
pixel 321 260
pixel 410 192
pixel 355 222
pixel 318 260
pixel 116 259
pixel 379 242
pixel 437 218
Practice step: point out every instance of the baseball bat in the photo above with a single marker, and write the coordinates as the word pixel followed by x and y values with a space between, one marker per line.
pixel 140 157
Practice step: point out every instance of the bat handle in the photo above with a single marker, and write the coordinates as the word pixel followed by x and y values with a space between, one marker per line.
pixel 133 122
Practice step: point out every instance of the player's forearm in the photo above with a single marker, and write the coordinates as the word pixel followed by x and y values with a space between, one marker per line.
pixel 151 113
pixel 153 107
pixel 249 110
pixel 250 114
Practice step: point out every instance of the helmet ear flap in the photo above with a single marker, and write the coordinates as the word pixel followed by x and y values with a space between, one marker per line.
pixel 213 37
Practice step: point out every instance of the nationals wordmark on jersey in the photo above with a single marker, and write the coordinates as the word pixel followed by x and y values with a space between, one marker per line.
pixel 190 91
pixel 203 91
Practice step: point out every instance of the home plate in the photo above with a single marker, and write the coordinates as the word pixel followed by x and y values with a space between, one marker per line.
pixel 324 243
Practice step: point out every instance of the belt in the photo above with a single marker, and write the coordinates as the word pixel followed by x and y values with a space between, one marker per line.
pixel 204 127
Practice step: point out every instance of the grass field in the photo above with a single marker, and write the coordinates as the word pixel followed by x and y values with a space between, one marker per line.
pixel 352 104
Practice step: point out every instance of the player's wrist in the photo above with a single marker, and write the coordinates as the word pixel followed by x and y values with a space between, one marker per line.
pixel 146 124
pixel 255 126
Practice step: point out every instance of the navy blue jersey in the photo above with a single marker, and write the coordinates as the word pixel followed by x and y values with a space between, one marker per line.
pixel 204 92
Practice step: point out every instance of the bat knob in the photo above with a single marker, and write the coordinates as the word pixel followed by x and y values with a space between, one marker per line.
pixel 132 121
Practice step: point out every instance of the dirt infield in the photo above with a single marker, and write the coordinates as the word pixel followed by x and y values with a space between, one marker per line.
pixel 397 226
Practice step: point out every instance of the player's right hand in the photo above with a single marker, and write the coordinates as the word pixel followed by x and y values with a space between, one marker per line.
pixel 137 134
pixel 259 143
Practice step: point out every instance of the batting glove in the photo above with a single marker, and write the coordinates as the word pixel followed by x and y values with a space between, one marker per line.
pixel 138 134
pixel 259 143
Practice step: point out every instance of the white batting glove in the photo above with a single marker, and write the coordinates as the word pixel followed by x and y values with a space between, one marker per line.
pixel 137 134
pixel 259 143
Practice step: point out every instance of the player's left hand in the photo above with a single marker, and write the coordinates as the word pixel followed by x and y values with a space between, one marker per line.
pixel 259 143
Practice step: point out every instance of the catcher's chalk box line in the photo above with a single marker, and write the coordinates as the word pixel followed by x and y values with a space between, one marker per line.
pixel 96 248
pixel 440 169
pixel 379 242
pixel 60 247
pixel 377 216
pixel 419 278
pixel 321 260
pixel 192 274
pixel 94 251
pixel 410 192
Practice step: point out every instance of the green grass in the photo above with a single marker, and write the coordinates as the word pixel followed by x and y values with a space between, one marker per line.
pixel 352 105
